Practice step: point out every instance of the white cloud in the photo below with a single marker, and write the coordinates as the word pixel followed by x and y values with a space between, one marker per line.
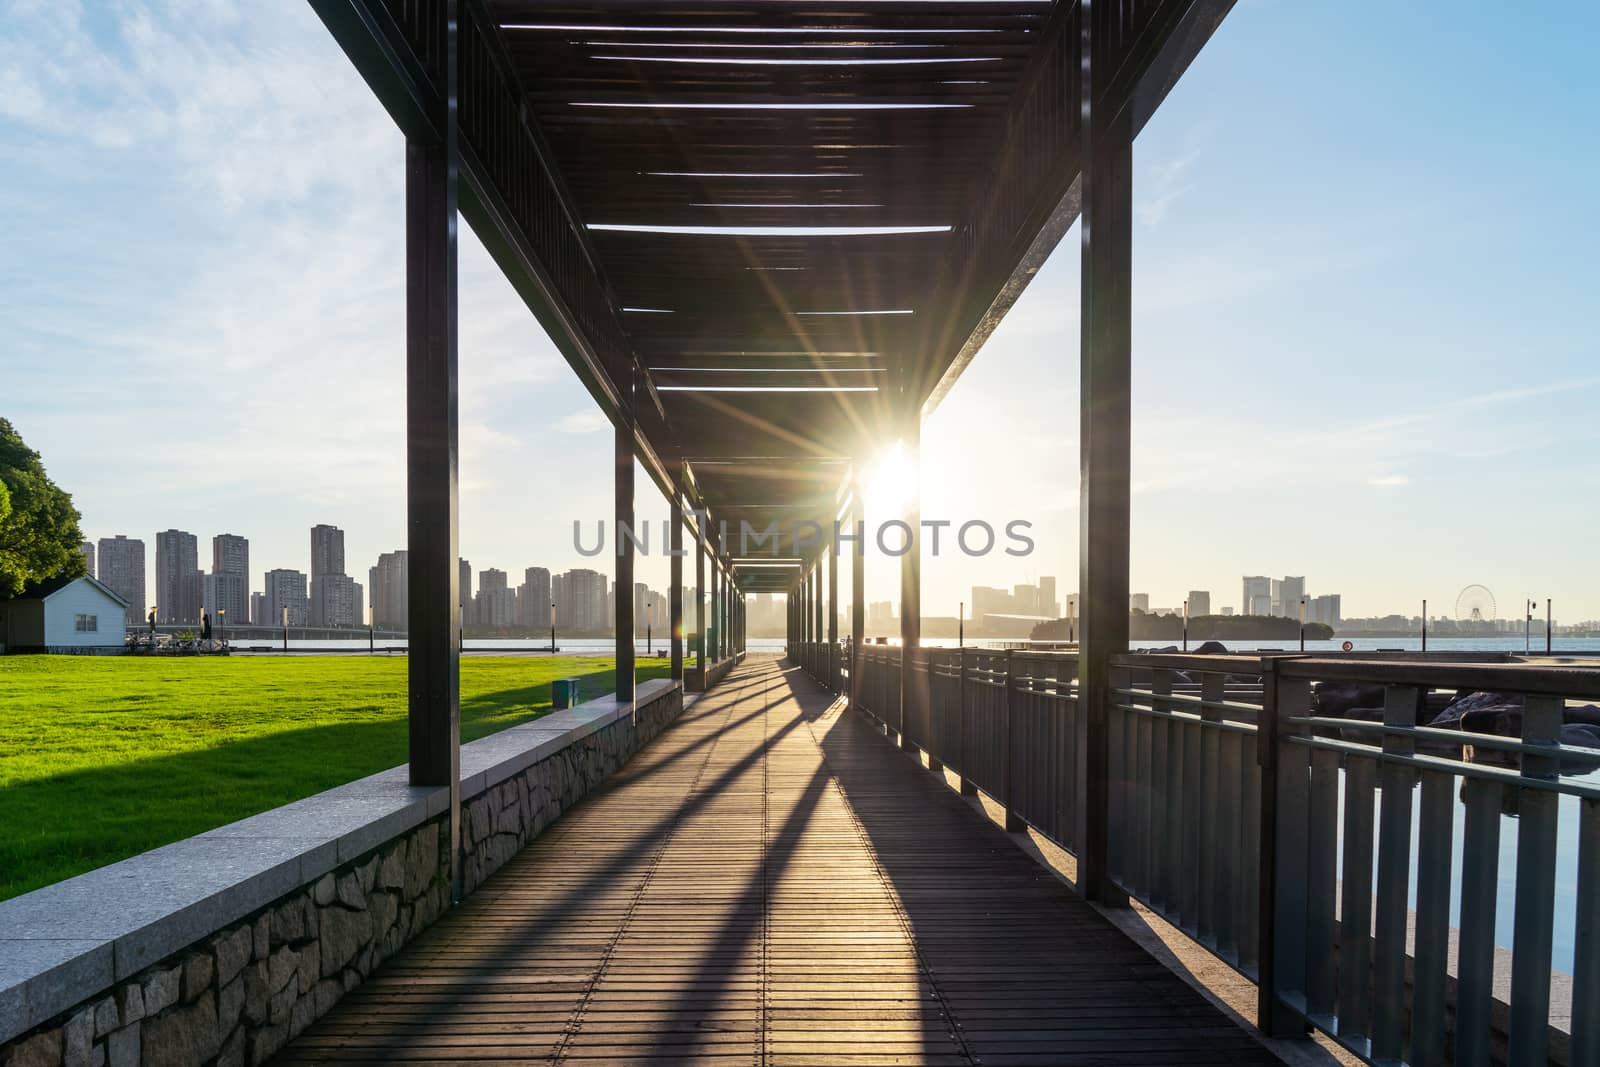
pixel 1389 481
pixel 582 422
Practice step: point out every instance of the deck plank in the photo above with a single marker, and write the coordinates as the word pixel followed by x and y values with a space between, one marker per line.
pixel 770 883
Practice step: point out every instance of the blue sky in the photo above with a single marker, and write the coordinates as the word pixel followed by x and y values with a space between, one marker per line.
pixel 1364 311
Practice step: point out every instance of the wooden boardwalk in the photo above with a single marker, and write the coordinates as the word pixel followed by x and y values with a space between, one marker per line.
pixel 770 882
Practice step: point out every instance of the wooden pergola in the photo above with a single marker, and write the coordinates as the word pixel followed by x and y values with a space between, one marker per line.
pixel 768 238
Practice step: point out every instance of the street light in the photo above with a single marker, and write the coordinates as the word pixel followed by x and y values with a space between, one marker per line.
pixel 1527 629
pixel 1186 624
pixel 222 625
pixel 552 627
pixel 286 628
pixel 1302 624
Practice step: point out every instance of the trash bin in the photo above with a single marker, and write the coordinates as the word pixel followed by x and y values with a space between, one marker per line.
pixel 565 693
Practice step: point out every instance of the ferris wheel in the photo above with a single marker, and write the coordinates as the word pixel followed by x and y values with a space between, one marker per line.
pixel 1475 605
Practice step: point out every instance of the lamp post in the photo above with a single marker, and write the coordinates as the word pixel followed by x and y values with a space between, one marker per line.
pixel 961 625
pixel 1527 628
pixel 552 627
pixel 222 625
pixel 1424 626
pixel 1302 624
pixel 1186 624
pixel 1547 626
pixel 286 628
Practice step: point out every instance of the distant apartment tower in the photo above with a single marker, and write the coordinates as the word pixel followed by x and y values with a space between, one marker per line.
pixel 285 589
pixel 335 601
pixel 122 572
pixel 230 571
pixel 533 598
pixel 1257 595
pixel 327 550
pixel 1290 592
pixel 258 609
pixel 1139 602
pixel 178 591
pixel 1199 603
pixel 87 548
pixel 1047 598
pixel 388 586
pixel 495 603
pixel 1325 609
pixel 582 599
pixel 464 592
pixel 880 615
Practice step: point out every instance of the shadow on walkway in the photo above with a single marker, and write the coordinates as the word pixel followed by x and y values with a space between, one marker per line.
pixel 770 881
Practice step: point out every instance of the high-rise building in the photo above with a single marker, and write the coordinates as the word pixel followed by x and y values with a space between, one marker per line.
pixel 533 598
pixel 464 590
pixel 1047 598
pixel 87 548
pixel 1290 592
pixel 335 601
pixel 327 550
pixel 1325 609
pixel 1199 603
pixel 1257 598
pixel 284 589
pixel 582 600
pixel 1139 602
pixel 880 616
pixel 389 586
pixel 258 609
pixel 122 572
pixel 177 577
pixel 495 603
pixel 230 571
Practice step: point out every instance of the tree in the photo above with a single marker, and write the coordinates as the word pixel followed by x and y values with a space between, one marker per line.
pixel 39 534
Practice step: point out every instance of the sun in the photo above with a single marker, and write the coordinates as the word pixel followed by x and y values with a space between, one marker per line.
pixel 891 483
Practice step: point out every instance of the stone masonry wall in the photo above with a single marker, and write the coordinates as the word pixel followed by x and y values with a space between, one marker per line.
pixel 240 995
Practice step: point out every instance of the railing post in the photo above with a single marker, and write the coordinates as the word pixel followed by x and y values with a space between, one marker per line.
pixel 1285 792
pixel 1529 1038
pixel 1014 821
pixel 968 789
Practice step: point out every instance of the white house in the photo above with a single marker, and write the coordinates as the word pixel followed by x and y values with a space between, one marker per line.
pixel 63 615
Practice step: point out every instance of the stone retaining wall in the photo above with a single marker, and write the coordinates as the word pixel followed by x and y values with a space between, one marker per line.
pixel 237 995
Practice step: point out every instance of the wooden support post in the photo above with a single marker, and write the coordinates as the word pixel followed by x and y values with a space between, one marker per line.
pixel 832 663
pixel 911 580
pixel 1105 357
pixel 675 593
pixel 623 477
pixel 700 598
pixel 432 430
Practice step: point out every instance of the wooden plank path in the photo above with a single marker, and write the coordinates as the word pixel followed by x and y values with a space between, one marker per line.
pixel 770 882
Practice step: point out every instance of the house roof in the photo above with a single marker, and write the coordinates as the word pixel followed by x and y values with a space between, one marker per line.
pixel 51 586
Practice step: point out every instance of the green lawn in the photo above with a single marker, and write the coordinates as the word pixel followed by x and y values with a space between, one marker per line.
pixel 104 757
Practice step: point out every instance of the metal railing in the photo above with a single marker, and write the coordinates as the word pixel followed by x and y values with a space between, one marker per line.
pixel 1299 818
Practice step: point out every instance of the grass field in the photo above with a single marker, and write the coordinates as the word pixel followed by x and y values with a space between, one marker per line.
pixel 105 757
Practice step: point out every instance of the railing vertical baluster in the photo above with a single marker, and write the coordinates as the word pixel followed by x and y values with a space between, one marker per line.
pixel 1211 829
pixel 1480 870
pixel 1193 823
pixel 1537 810
pixel 1586 941
pixel 1160 786
pixel 1014 821
pixel 1322 880
pixel 1285 869
pixel 1394 878
pixel 1230 827
pixel 1144 783
pixel 1355 900
pixel 1247 922
pixel 969 788
pixel 1434 833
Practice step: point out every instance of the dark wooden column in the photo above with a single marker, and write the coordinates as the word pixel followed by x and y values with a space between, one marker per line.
pixel 911 576
pixel 433 665
pixel 832 665
pixel 1105 357
pixel 675 594
pixel 715 635
pixel 623 477
pixel 858 591
pixel 700 595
